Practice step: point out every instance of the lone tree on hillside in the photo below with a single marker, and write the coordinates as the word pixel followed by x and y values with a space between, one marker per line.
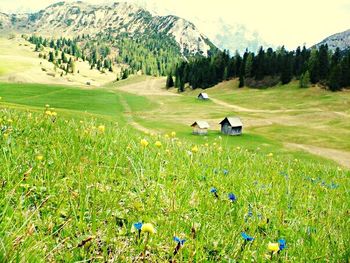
pixel 169 81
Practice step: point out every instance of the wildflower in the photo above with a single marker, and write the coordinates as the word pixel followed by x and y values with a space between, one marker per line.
pixel 148 228
pixel 179 241
pixel 273 247
pixel 246 237
pixel 282 244
pixel 173 134
pixel 49 113
pixel 166 136
pixel 225 172
pixel 101 128
pixel 270 155
pixel 214 191
pixel 238 148
pixel 194 149
pixel 232 197
pixel 206 145
pixel 137 225
pixel 158 144
pixel 39 157
pixel 47 106
pixel 53 113
pixel 144 142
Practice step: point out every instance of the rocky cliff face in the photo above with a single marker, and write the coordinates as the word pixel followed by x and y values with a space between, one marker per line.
pixel 340 40
pixel 72 19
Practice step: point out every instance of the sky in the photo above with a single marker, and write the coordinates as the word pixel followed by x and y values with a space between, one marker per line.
pixel 278 22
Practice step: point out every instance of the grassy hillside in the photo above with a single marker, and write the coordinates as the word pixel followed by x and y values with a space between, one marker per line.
pixel 72 190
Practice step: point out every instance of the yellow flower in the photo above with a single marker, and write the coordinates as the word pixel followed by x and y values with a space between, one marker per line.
pixel 54 113
pixel 101 128
pixel 166 136
pixel 270 155
pixel 173 134
pixel 47 106
pixel 39 157
pixel 158 144
pixel 148 228
pixel 194 149
pixel 48 112
pixel 206 145
pixel 238 148
pixel 273 247
pixel 144 142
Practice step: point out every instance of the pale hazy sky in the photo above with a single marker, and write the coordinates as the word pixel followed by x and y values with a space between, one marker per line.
pixel 288 22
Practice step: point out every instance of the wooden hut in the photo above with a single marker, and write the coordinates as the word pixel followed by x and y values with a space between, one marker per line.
pixel 200 127
pixel 203 96
pixel 231 126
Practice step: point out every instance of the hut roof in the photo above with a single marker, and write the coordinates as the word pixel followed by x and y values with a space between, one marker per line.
pixel 204 95
pixel 233 121
pixel 201 124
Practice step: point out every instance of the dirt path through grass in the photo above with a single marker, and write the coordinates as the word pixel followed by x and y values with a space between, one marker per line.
pixel 341 157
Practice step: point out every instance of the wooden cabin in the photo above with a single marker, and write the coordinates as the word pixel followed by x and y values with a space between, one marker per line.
pixel 203 96
pixel 200 128
pixel 231 126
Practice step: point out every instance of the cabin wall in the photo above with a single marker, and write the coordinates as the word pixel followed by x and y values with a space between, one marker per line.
pixel 229 130
pixel 199 131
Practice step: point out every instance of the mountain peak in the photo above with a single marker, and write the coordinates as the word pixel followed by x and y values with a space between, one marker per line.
pixel 70 19
pixel 339 40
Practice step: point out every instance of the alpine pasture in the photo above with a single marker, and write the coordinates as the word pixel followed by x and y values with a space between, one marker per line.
pixel 113 173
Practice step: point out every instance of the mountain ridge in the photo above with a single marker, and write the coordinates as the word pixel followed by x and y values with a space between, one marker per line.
pixel 339 40
pixel 69 19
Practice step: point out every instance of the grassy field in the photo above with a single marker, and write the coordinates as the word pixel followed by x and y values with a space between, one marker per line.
pixel 73 190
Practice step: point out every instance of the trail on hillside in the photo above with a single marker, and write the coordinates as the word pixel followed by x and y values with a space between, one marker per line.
pixel 130 119
pixel 149 87
pixel 243 109
pixel 341 157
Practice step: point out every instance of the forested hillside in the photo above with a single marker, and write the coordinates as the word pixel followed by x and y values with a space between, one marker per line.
pixel 268 68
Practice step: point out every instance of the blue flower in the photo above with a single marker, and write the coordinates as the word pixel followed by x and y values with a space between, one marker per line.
pixel 179 241
pixel 225 172
pixel 213 190
pixel 246 237
pixel 138 225
pixel 232 197
pixel 282 244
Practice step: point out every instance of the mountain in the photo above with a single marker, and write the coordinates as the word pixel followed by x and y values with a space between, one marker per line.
pixel 72 19
pixel 339 40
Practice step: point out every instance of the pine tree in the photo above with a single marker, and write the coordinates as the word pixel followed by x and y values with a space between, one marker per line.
pixel 51 57
pixel 304 81
pixel 169 81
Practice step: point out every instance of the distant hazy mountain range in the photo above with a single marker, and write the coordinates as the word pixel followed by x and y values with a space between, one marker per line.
pixel 341 40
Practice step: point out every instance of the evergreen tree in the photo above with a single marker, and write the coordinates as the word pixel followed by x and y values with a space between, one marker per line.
pixel 169 81
pixel 304 81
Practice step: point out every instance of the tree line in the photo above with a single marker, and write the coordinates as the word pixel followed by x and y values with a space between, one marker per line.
pixel 267 68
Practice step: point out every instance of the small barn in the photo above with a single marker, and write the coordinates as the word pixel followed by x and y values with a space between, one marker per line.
pixel 203 96
pixel 200 127
pixel 231 126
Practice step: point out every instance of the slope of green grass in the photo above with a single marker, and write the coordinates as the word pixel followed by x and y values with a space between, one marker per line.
pixel 71 191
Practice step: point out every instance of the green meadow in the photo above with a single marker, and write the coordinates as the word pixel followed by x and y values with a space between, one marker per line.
pixel 74 184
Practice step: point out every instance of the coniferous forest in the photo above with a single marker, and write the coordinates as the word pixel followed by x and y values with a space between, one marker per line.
pixel 268 68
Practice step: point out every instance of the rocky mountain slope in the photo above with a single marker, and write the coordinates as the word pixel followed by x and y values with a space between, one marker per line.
pixel 72 19
pixel 341 40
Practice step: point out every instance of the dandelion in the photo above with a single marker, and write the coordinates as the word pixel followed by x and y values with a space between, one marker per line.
pixel 246 237
pixel 39 157
pixel 54 113
pixel 158 144
pixel 101 128
pixel 49 113
pixel 270 155
pixel 194 149
pixel 232 197
pixel 148 228
pixel 144 143
pixel 273 247
pixel 173 134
